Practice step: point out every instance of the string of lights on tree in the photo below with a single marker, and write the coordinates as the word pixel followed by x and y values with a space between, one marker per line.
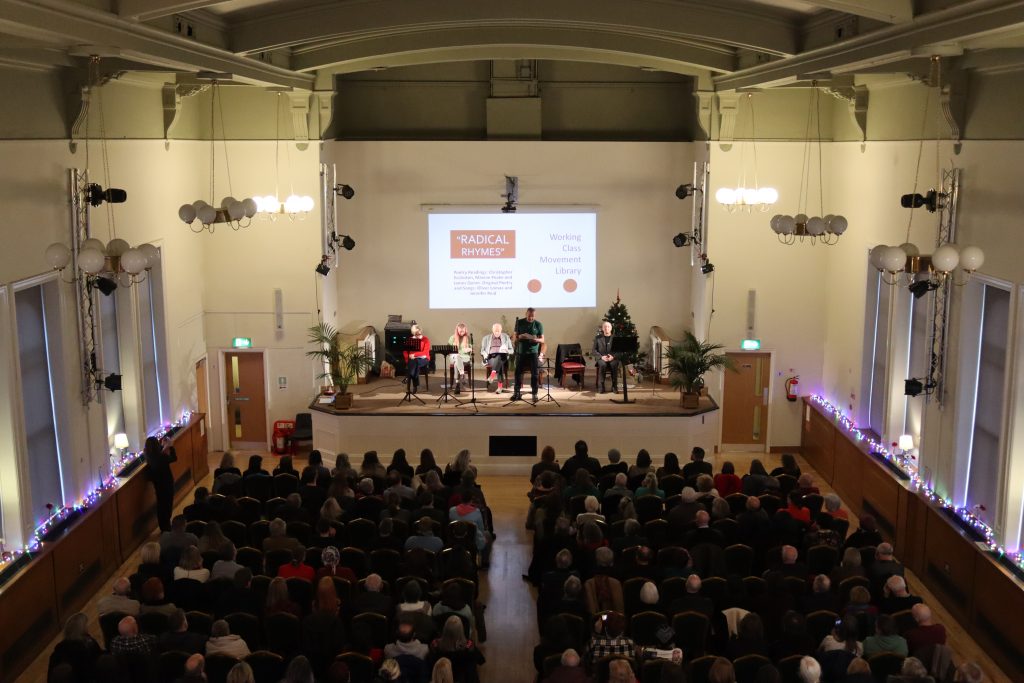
pixel 908 466
pixel 55 517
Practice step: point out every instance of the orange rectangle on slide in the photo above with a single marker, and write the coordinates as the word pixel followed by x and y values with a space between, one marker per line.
pixel 483 243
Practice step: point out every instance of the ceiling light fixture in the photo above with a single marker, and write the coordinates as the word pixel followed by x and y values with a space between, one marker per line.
pixel 824 228
pixel 294 206
pixel 232 212
pixel 742 196
pixel 511 195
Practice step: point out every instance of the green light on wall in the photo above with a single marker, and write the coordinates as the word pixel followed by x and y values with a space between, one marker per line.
pixel 242 342
pixel 750 344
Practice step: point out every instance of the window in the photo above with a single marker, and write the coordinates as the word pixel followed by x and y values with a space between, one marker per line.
pixel 918 360
pixel 111 363
pixel 985 454
pixel 153 352
pixel 876 351
pixel 37 313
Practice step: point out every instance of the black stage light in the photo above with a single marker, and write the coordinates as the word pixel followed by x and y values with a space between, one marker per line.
pixel 105 285
pixel 508 208
pixel 930 201
pixel 345 191
pixel 347 243
pixel 708 268
pixel 112 382
pixel 96 195
pixel 922 287
pixel 681 240
pixel 912 387
pixel 322 267
pixel 684 191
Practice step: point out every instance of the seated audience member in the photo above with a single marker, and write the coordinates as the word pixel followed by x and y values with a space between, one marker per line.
pixel 119 600
pixel 400 464
pixel 860 609
pixel 823 534
pixel 582 485
pixel 969 672
pixel 573 600
pixel 592 514
pixel 424 537
pixel 241 673
pixel 703 533
pixel 555 637
pixel 705 485
pixel 791 566
pixel 239 597
pixel 794 638
pixel 386 537
pixel 697 465
pixel 609 638
pixel 300 670
pixel 223 642
pixel 580 460
pixel 884 566
pixel 323 632
pixel 452 602
pixel 626 508
pixel 670 466
pixel 153 598
pixel 460 650
pixel 426 507
pixel 568 669
pixel 859 671
pixel 681 517
pixel 885 639
pixel 603 591
pixel 843 637
pixel 621 671
pixel 758 481
pixel 412 600
pixel 619 488
pixel 406 644
pixel 297 567
pixel 330 560
pixel 469 511
pixel 398 486
pixel 927 632
pixel 547 463
pixel 371 599
pixel 316 462
pixel 194 670
pixel 820 597
pixel 642 466
pixel 278 600
pixel 727 482
pixel 77 648
pixel 427 463
pixel 284 466
pixel 278 538
pixel 151 566
pixel 213 539
pixel 720 509
pixel 631 536
pixel 865 535
pixel 809 670
pixel 227 464
pixel 721 671
pixel 372 467
pixel 330 511
pixel 833 506
pixel 805 486
pixel 255 468
pixel 912 671
pixel 649 487
pixel 615 464
pixel 324 534
pixel 755 528
pixel 896 597
pixel 589 538
pixel 177 539
pixel 692 600
pixel 178 637
pixel 191 566
pixel 225 567
pixel 292 510
pixel 795 510
pixel 788 466
pixel 199 510
pixel 850 566
pixel 749 638
pixel 128 639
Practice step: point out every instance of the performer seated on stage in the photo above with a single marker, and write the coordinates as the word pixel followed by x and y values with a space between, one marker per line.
pixel 529 336
pixel 494 351
pixel 458 361
pixel 417 358
pixel 605 359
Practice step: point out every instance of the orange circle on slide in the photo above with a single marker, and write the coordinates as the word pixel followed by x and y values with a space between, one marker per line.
pixel 570 285
pixel 533 285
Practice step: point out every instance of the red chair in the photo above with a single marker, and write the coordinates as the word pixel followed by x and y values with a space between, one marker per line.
pixel 572 363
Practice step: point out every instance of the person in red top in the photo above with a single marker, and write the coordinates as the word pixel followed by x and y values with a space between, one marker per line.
pixel 417 358
pixel 727 483
pixel 800 514
pixel 927 632
pixel 297 567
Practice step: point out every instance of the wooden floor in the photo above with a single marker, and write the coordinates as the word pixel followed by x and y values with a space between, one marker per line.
pixel 511 613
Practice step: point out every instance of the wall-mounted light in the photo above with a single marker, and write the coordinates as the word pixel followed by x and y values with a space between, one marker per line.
pixel 96 195
pixel 682 239
pixel 344 191
pixel 511 194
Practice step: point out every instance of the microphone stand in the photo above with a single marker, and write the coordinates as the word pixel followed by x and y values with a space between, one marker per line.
pixel 472 382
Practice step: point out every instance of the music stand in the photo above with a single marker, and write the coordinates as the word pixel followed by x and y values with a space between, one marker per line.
pixel 547 372
pixel 472 382
pixel 446 350
pixel 622 346
pixel 411 344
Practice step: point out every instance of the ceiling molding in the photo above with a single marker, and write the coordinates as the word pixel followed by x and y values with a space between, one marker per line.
pixel 889 11
pixel 63 22
pixel 649 19
pixel 966 20
pixel 147 10
pixel 460 44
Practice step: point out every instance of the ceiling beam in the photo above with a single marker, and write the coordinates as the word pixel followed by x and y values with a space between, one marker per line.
pixel 641 19
pixel 971 19
pixel 147 10
pixel 889 11
pixel 69 23
pixel 512 43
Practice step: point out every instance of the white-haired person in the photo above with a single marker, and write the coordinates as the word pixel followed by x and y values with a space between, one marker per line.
pixel 494 350
pixel 809 670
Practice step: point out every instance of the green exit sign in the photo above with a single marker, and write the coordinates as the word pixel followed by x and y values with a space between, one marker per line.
pixel 242 342
pixel 750 344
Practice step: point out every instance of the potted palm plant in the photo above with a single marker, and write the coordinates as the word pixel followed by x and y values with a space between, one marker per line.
pixel 689 361
pixel 343 364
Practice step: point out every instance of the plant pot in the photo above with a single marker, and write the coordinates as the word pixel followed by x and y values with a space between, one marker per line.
pixel 687 400
pixel 343 401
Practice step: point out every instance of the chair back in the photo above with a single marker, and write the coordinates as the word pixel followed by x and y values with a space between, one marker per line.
pixel 376 626
pixel 251 558
pixel 285 484
pixel 301 592
pixel 737 502
pixel 729 528
pixel 171 666
pixel 217 667
pixel 275 559
pixel 108 625
pixel 283 634
pixel 691 633
pixel 754 586
pixel 700 668
pixel 787 483
pixel 820 624
pixel 822 559
pixel 746 666
pixel 199 622
pixel 657 533
pixel 813 502
pixel 610 506
pixel 236 532
pixel 848 584
pixel 739 560
pixel 770 503
pixel 904 621
pixel 300 531
pixel 355 559
pixel 258 532
pixel 362 534
pixel 672 485
pixel 648 507
pixel 360 667
pixel 247 627
pixel 153 623
pixel 260 487
pixel 249 510
pixel 789 668
pixel 643 627
pixel 885 664
pixel 196 527
pixel 274 506
pixel 267 667
pixel 187 594
pixel 716 588
pixel 386 562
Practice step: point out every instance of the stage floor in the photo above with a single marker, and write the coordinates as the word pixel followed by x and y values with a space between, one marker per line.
pixel 384 397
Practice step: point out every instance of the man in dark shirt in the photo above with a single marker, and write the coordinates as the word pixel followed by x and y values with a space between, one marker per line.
pixel 200 508
pixel 370 599
pixel 703 533
pixel 790 566
pixel 580 459
pixel 615 464
pixel 692 600
pixel 606 360
pixel 529 336
pixel 681 517
pixel 696 466
pixel 128 639
pixel 896 597
pixel 177 637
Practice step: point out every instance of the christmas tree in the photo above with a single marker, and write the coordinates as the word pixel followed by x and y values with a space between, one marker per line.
pixel 622 326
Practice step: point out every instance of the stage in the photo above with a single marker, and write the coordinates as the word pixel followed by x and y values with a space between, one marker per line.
pixel 503 436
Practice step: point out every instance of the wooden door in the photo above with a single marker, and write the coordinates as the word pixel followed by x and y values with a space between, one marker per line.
pixel 202 392
pixel 745 402
pixel 246 400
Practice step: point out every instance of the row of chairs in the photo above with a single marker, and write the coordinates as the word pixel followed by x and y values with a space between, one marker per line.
pixel 267 666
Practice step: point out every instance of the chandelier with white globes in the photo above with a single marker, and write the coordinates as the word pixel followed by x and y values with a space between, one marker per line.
pixel 743 197
pixel 905 265
pixel 116 261
pixel 294 206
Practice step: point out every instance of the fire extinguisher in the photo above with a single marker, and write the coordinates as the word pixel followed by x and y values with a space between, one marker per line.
pixel 792 387
pixel 279 442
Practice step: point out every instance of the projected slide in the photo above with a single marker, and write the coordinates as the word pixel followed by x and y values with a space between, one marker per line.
pixel 545 260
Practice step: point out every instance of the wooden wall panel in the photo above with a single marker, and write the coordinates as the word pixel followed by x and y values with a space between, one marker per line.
pixel 817 444
pixel 998 606
pixel 78 564
pixel 880 495
pixel 949 565
pixel 30 620
pixel 200 452
pixel 136 511
pixel 182 469
pixel 912 531
pixel 849 469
